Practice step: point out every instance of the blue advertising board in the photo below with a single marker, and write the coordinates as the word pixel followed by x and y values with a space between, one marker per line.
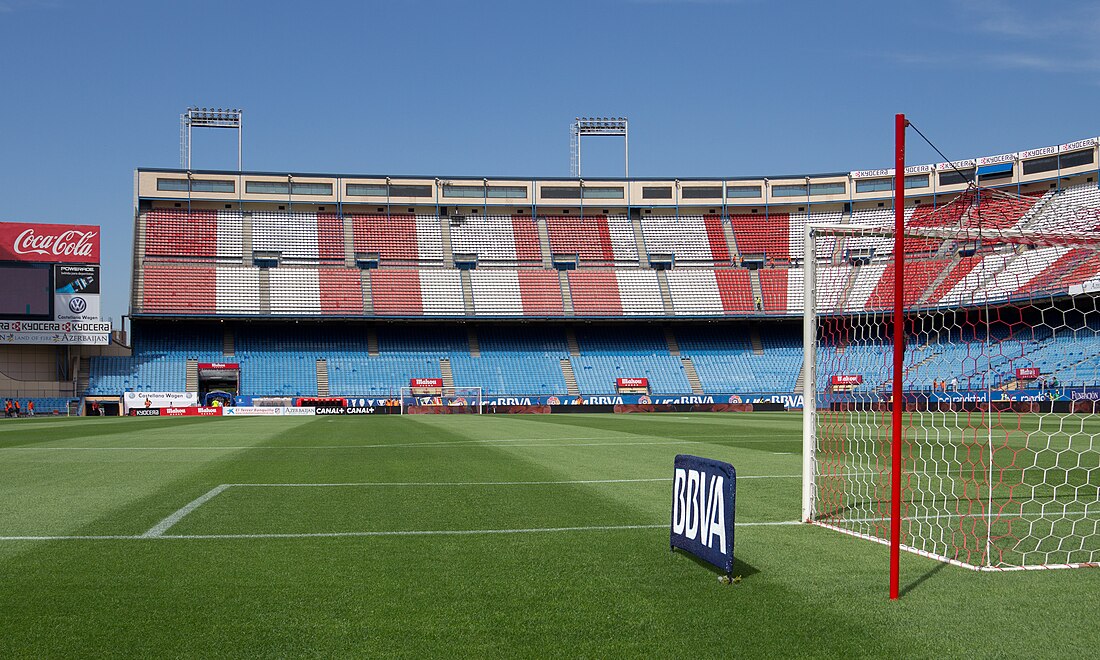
pixel 703 498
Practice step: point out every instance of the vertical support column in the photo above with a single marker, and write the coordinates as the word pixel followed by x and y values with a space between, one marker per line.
pixel 898 402
pixel 809 374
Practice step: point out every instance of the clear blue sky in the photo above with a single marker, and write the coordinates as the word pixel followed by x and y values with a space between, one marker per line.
pixel 94 89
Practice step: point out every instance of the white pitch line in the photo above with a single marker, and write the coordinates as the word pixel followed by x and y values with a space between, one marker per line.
pixel 162 526
pixel 426 532
pixel 491 483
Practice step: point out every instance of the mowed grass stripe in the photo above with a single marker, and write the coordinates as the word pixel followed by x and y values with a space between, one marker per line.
pixel 607 592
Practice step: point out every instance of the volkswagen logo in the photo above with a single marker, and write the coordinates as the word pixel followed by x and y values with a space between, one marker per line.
pixel 77 305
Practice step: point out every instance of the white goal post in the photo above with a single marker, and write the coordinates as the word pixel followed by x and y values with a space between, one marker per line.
pixel 452 400
pixel 996 427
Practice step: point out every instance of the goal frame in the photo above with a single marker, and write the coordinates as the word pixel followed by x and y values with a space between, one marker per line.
pixel 895 317
pixel 450 398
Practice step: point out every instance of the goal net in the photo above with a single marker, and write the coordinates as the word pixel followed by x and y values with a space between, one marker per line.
pixel 1000 377
pixel 452 400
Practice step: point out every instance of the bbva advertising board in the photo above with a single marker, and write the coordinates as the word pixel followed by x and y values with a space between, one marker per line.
pixel 703 498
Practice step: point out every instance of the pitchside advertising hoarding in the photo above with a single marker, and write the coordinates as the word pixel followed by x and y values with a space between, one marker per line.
pixel 52 285
pixel 703 497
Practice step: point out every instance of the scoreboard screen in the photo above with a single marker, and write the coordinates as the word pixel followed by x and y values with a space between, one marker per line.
pixel 25 291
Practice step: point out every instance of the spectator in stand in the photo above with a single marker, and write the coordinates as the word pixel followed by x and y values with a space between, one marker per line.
pixel 1054 382
pixel 955 384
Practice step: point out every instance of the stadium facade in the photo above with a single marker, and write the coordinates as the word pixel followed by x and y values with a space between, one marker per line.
pixel 544 291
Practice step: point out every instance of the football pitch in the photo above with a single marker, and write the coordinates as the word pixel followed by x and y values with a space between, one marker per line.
pixel 451 535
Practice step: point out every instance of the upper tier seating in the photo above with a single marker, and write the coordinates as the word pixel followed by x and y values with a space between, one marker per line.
pixel 767 234
pixel 504 240
pixel 399 239
pixel 596 240
pixel 692 239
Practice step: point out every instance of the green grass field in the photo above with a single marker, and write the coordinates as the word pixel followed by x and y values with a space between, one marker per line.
pixel 463 535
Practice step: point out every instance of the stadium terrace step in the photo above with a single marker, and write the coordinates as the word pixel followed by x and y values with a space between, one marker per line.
pixel 372 342
pixel 544 245
pixel 566 293
pixel 754 338
pixel 472 341
pixel 322 377
pixel 368 292
pixel 191 380
pixel 639 240
pixel 228 348
pixel 446 373
pixel 799 383
pixel 572 343
pixel 757 291
pixel 570 377
pixel 666 295
pixel 445 236
pixel 467 292
pixel 692 376
pixel 673 345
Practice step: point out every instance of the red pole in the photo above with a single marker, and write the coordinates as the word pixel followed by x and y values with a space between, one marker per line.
pixel 899 350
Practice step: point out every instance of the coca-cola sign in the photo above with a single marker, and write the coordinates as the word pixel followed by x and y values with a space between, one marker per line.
pixel 21 241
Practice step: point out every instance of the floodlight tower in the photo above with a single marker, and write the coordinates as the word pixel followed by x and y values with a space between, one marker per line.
pixel 208 118
pixel 583 126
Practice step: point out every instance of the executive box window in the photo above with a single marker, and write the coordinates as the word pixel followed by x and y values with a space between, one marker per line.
pixel 570 192
pixel 742 191
pixel 197 185
pixel 380 190
pixel 657 192
pixel 834 188
pixel 481 192
pixel 1076 158
pixel 366 190
pixel 410 191
pixel 701 192
pixel 882 185
pixel 789 190
pixel 282 188
pixel 1052 163
pixel 951 177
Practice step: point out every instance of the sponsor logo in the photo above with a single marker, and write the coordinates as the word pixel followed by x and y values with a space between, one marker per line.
pixel 633 382
pixel 644 400
pixel 78 305
pixel 145 412
pixel 426 382
pixel 992 160
pixel 68 243
pixel 1042 151
pixel 601 401
pixel 553 401
pixel 847 379
pixel 341 410
pixel 698 508
pixel 734 398
pixel 1080 144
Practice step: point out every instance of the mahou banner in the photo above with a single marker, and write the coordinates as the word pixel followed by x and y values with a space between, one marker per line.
pixel 20 241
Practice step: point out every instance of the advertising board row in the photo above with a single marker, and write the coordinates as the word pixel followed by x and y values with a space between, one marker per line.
pixel 55 332
pixel 984 160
